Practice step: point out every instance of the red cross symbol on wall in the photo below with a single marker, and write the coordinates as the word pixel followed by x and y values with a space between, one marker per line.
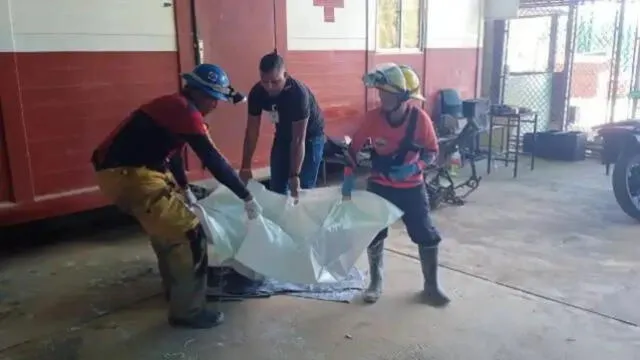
pixel 329 8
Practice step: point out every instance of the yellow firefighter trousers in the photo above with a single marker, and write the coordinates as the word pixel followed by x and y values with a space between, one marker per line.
pixel 154 199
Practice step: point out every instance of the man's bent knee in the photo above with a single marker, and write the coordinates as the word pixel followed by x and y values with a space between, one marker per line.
pixel 423 233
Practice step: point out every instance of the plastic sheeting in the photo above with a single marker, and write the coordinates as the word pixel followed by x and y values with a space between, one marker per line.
pixel 317 240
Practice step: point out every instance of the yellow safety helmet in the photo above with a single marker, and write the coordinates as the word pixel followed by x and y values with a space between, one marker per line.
pixel 396 79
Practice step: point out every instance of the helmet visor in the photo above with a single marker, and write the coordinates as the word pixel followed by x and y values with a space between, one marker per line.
pixel 378 78
pixel 374 79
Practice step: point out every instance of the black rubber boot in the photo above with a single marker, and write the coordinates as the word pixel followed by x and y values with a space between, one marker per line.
pixel 374 253
pixel 206 319
pixel 431 294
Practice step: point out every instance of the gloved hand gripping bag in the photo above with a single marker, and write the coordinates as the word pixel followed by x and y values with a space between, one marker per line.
pixel 317 240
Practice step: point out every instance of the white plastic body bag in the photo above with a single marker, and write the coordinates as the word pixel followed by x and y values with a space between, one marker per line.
pixel 317 240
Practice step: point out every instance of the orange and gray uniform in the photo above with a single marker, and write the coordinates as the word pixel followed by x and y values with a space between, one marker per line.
pixel 139 168
pixel 411 143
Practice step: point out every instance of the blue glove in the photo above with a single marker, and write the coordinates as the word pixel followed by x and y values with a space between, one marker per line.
pixel 348 184
pixel 402 172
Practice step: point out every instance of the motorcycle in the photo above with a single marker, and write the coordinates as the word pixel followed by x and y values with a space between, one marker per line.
pixel 621 147
pixel 440 184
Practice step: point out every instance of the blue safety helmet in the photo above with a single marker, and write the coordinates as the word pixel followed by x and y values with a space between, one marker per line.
pixel 210 79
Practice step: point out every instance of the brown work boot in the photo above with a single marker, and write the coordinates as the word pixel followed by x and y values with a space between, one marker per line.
pixel 206 319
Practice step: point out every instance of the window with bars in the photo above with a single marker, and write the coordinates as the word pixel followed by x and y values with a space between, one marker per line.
pixel 400 24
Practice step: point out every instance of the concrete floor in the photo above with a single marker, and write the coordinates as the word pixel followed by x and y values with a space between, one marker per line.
pixel 540 267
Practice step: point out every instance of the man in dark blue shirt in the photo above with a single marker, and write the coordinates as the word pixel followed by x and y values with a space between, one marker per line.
pixel 296 153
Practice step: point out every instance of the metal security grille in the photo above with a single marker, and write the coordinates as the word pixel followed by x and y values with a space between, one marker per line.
pixel 531 91
pixel 525 4
pixel 528 74
pixel 551 3
pixel 543 11
pixel 602 63
pixel 592 63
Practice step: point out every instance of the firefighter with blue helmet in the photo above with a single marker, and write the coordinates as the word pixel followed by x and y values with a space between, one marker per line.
pixel 139 168
pixel 214 81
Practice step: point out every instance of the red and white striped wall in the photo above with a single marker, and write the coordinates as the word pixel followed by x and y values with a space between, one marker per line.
pixel 72 69
pixel 333 44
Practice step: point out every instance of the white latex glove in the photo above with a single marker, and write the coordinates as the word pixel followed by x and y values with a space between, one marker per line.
pixel 190 197
pixel 252 208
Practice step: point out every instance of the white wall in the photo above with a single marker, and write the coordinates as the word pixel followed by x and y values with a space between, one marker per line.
pixel 6 33
pixel 86 25
pixel 455 23
pixel 501 9
pixel 450 24
pixel 307 30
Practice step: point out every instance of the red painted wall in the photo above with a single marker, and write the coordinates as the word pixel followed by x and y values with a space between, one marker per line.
pixel 335 77
pixel 62 106
pixel 55 107
pixel 238 45
pixel 14 164
pixel 5 185
pixel 72 100
pixel 5 86
pixel 451 68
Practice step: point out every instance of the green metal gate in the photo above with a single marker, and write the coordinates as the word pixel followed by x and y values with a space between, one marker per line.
pixel 592 67
pixel 531 62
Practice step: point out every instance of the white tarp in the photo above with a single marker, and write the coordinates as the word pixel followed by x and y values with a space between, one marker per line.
pixel 317 240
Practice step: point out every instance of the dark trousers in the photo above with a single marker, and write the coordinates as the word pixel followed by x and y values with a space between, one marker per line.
pixel 281 164
pixel 414 203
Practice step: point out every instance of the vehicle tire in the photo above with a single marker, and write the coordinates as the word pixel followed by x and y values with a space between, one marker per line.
pixel 620 183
